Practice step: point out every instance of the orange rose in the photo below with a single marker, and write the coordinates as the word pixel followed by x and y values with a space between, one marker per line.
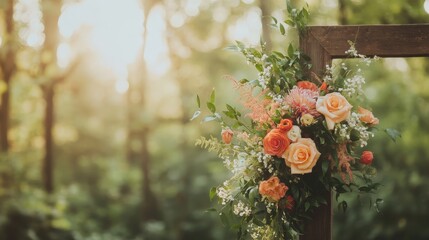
pixel 276 142
pixel 273 189
pixel 366 157
pixel 301 156
pixel 334 107
pixel 307 85
pixel 366 116
pixel 324 87
pixel 285 125
pixel 227 135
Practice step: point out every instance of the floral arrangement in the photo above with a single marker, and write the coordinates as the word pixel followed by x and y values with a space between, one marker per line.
pixel 301 136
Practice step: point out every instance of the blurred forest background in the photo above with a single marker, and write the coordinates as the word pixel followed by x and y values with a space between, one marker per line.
pixel 96 97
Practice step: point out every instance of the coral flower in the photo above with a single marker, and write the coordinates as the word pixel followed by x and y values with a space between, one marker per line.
pixel 285 125
pixel 307 85
pixel 276 142
pixel 273 189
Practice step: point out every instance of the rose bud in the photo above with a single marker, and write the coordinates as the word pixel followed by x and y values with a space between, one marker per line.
pixel 366 157
pixel 290 202
pixel 324 87
pixel 285 125
pixel 227 135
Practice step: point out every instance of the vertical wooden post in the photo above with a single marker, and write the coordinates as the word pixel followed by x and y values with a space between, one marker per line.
pixel 320 227
pixel 324 43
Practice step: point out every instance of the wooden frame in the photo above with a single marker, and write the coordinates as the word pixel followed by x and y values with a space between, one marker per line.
pixel 324 43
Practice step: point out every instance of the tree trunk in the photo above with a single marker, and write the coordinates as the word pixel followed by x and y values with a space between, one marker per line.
pixel 51 14
pixel 342 12
pixel 48 166
pixel 138 131
pixel 264 5
pixel 8 66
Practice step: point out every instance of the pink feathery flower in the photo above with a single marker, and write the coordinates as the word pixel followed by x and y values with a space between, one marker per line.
pixel 302 101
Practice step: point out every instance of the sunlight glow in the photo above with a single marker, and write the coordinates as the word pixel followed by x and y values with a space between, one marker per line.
pixel 29 14
pixel 64 55
pixel 156 53
pixel 121 85
pixel 426 6
pixel 116 33
pixel 248 28
pixel 116 28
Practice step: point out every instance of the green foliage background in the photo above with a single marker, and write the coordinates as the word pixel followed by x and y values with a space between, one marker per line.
pixel 98 192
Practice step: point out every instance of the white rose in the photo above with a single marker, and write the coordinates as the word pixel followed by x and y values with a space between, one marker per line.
pixel 294 133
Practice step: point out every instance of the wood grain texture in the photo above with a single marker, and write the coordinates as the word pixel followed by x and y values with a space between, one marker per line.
pixel 381 40
pixel 324 43
pixel 320 227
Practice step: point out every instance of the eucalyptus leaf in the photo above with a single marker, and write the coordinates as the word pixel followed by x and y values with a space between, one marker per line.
pixel 393 133
pixel 209 118
pixel 212 193
pixel 211 107
pixel 198 101
pixel 196 114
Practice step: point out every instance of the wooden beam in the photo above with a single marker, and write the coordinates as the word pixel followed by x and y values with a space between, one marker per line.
pixel 381 40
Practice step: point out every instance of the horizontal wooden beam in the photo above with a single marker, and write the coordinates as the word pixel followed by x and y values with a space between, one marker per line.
pixel 380 40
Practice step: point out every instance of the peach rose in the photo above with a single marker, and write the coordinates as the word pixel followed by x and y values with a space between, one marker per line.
pixel 276 142
pixel 366 157
pixel 301 156
pixel 334 107
pixel 227 135
pixel 366 116
pixel 273 189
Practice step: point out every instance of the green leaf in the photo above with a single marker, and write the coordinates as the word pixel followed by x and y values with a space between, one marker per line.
pixel 198 101
pixel 290 23
pixel 282 29
pixel 354 135
pixel 393 133
pixel 211 210
pixel 212 193
pixel 233 48
pixel 274 20
pixel 211 107
pixel 196 114
pixel 378 203
pixel 213 96
pixel 307 206
pixel 290 51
